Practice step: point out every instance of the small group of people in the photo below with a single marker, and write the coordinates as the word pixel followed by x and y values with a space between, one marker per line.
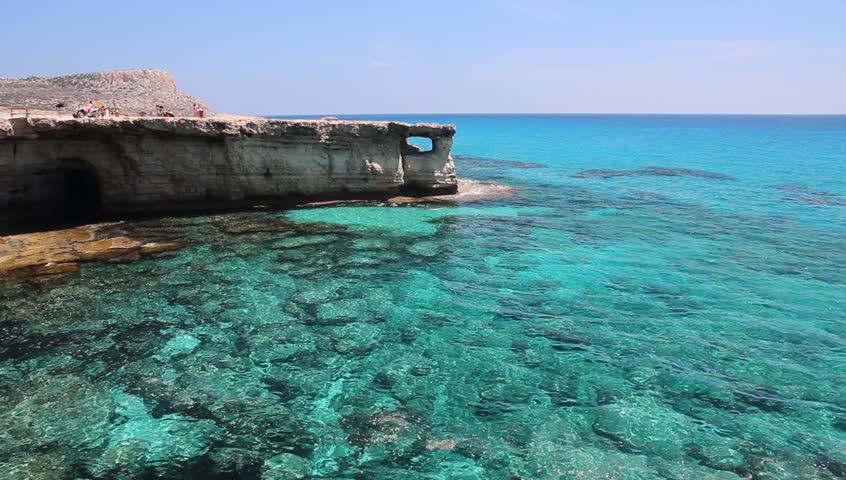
pixel 101 110
pixel 91 109
pixel 161 112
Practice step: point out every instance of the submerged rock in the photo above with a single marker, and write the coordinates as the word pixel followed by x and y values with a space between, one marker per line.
pixel 653 172
pixel 317 293
pixel 245 225
pixel 51 465
pixel 63 410
pixel 385 436
pixel 358 338
pixel 637 429
pixel 817 201
pixel 834 461
pixel 803 190
pixel 718 457
pixel 340 312
pixel 468 191
pixel 285 466
pixel 237 462
pixel 426 248
pixel 586 462
pixel 306 241
pixel 179 345
pixel 498 163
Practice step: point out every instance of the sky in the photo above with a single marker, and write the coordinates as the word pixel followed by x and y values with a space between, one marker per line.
pixel 453 56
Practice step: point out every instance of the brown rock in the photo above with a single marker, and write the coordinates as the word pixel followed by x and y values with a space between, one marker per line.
pixel 55 269
pixel 249 225
pixel 46 255
pixel 158 247
pixel 106 249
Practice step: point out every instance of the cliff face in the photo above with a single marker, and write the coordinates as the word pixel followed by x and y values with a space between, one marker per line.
pixel 133 90
pixel 165 164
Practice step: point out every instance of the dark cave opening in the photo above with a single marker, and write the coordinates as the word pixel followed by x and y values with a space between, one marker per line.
pixel 66 195
pixel 80 189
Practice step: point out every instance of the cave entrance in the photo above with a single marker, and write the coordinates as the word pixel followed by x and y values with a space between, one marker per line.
pixel 77 190
pixel 65 195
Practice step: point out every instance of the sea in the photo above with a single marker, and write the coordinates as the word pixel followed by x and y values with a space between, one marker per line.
pixel 661 297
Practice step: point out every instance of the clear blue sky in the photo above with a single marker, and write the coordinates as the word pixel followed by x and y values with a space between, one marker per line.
pixel 299 57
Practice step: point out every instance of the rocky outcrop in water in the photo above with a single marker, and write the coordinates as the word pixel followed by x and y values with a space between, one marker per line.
pixel 134 91
pixel 170 164
pixel 652 172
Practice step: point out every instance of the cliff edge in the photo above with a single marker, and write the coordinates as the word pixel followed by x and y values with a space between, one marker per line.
pixel 49 165
pixel 134 91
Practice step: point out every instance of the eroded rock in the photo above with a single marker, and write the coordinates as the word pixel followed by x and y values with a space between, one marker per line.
pixel 51 255
pixel 166 164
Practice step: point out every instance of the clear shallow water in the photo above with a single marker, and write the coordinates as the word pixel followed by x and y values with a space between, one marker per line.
pixel 629 323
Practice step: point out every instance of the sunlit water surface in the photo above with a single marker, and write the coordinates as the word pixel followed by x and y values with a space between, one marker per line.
pixel 663 298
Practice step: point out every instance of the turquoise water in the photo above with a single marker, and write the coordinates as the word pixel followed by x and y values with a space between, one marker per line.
pixel 662 298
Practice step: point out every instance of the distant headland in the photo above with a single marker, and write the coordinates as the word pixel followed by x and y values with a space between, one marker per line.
pixel 134 91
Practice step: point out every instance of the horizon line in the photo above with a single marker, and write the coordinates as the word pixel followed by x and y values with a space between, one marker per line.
pixel 565 113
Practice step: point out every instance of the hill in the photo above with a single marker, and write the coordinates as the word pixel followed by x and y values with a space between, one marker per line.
pixel 134 91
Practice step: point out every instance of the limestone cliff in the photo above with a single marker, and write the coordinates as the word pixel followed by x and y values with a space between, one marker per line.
pixel 134 91
pixel 166 164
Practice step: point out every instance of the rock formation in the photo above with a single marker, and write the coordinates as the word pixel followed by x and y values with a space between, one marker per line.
pixel 169 164
pixel 134 91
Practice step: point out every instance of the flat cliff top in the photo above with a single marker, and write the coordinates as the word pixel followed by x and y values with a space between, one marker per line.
pixel 229 126
pixel 134 91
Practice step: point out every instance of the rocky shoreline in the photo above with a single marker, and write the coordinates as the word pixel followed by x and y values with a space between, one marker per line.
pixel 146 167
pixel 118 176
pixel 41 257
pixel 153 165
pixel 51 255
